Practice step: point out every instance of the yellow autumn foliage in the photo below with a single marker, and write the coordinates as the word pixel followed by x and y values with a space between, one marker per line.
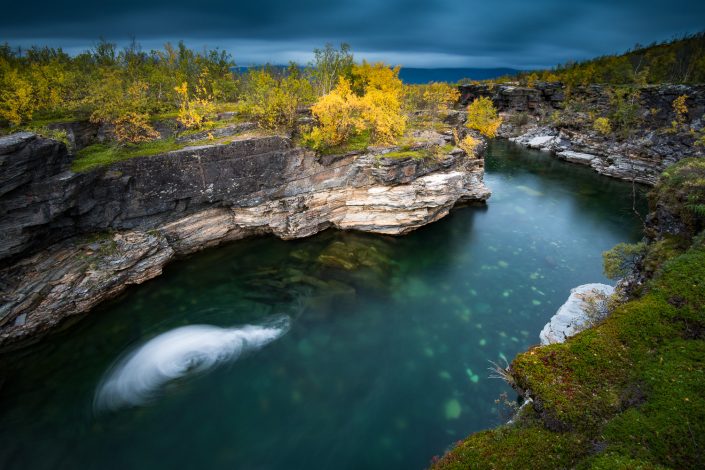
pixel 468 144
pixel 16 98
pixel 371 101
pixel 602 125
pixel 273 101
pixel 381 112
pixel 483 117
pixel 338 114
pixel 133 128
pixel 439 97
pixel 680 110
pixel 193 110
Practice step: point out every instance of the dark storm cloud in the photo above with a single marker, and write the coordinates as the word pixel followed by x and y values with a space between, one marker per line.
pixel 413 32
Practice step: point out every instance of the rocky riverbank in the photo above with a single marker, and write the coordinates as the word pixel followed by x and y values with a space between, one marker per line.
pixel 552 118
pixel 72 240
pixel 628 391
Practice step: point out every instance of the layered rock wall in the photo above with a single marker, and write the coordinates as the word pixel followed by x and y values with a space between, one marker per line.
pixel 148 210
pixel 548 117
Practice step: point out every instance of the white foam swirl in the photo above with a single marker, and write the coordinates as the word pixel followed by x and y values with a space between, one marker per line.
pixel 138 376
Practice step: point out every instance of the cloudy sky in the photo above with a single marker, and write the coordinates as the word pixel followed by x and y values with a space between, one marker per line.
pixel 414 33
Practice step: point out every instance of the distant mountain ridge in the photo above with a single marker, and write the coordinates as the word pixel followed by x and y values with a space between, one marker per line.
pixel 415 75
pixel 452 75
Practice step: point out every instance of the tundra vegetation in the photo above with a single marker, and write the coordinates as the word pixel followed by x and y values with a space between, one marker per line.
pixel 131 93
pixel 483 117
pixel 677 61
pixel 623 77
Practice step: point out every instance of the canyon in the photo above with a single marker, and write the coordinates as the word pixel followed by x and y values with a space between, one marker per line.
pixel 71 240
pixel 553 118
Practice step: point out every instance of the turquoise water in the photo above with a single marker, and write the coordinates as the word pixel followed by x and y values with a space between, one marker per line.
pixel 384 364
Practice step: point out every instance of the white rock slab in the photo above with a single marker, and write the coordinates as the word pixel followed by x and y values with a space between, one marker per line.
pixel 577 157
pixel 571 318
pixel 542 141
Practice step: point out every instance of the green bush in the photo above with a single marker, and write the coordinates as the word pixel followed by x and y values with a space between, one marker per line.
pixel 602 125
pixel 621 260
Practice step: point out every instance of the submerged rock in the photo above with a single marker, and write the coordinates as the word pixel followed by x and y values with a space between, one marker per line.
pixel 575 314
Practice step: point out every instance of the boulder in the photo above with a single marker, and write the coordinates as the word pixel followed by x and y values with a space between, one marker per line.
pixel 573 316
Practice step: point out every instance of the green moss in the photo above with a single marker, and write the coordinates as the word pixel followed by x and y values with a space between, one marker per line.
pixel 416 154
pixel 635 384
pixel 357 143
pixel 669 428
pixel 104 154
pixel 510 447
pixel 164 116
pixel 212 125
pixel 447 148
pixel 661 251
pixel 611 461
pixel 45 117
pixel 56 134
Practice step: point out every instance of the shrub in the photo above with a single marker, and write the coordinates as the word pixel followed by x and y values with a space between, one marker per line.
pixel 468 144
pixel 483 117
pixel 438 98
pixel 381 111
pixel 602 125
pixel 381 96
pixel 133 128
pixel 700 142
pixel 338 117
pixel 329 64
pixel 680 111
pixel 16 101
pixel 681 190
pixel 111 96
pixel 371 102
pixel 273 100
pixel 620 260
pixel 193 111
pixel 531 80
pixel 625 109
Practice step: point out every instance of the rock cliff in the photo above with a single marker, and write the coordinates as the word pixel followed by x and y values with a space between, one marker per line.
pixel 148 210
pixel 551 118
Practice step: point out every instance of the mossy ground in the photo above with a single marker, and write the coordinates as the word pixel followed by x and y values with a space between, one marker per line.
pixel 416 154
pixel 104 154
pixel 357 143
pixel 629 393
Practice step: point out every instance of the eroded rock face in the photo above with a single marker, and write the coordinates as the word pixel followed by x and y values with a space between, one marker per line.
pixel 639 160
pixel 174 204
pixel 71 278
pixel 640 156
